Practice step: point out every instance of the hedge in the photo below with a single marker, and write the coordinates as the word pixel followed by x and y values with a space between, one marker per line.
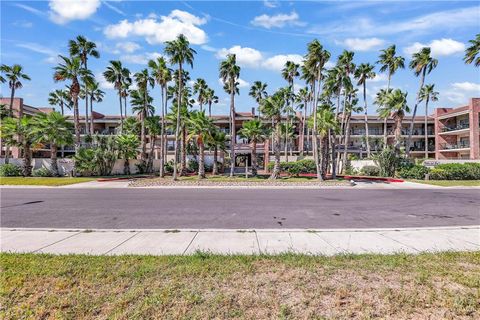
pixel 295 168
pixel 413 172
pixel 456 171
pixel 10 170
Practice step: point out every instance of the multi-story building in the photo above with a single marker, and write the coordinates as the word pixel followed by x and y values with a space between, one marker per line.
pixel 451 133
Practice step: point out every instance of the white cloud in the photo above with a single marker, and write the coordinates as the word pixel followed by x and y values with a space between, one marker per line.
pixel 128 46
pixel 277 21
pixel 379 77
pixel 245 56
pixel 241 83
pixel 460 92
pixel 437 21
pixel 51 55
pixel 277 62
pixel 64 11
pixel 155 31
pixel 362 44
pixel 270 4
pixel 442 47
pixel 142 58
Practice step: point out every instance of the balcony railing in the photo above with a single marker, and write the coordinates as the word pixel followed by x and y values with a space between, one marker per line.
pixel 362 132
pixel 450 146
pixel 460 126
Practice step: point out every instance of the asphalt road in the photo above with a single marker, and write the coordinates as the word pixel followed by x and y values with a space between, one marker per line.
pixel 237 209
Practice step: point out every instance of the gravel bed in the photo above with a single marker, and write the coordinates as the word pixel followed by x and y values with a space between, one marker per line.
pixel 206 182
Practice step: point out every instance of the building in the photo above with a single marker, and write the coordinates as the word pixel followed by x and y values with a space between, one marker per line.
pixel 449 133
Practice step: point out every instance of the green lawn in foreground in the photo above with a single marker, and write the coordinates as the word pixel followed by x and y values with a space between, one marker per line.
pixel 204 286
pixel 41 181
pixel 450 183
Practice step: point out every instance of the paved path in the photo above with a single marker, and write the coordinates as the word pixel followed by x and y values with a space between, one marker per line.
pixel 126 208
pixel 160 242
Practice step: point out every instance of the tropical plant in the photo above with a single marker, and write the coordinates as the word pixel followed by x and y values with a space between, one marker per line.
pixel 390 63
pixel 127 145
pixel 119 76
pixel 11 129
pixel 180 53
pixel 427 94
pixel 422 64
pixel 200 88
pixel 59 98
pixel 14 76
pixel 230 73
pixel 162 75
pixel 199 128
pixel 96 95
pixel 303 98
pixel 216 142
pixel 394 105
pixel 53 129
pixel 131 126
pixel 142 106
pixel 472 53
pixel 71 69
pixel 210 98
pixel 258 91
pixel 254 131
pixel 364 72
pixel 152 125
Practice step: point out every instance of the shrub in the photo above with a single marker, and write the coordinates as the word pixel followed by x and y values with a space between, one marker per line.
pixel 192 165
pixel 413 172
pixel 296 167
pixel 10 170
pixel 456 171
pixel 169 166
pixel 371 171
pixel 387 161
pixel 42 172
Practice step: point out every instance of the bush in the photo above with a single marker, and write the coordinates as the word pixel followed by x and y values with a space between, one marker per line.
pixel 456 171
pixel 370 171
pixel 297 167
pixel 387 161
pixel 10 170
pixel 413 172
pixel 192 165
pixel 169 166
pixel 42 172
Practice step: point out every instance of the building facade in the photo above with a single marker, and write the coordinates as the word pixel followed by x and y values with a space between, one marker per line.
pixel 449 133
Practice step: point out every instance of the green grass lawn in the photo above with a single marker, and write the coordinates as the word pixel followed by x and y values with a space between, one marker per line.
pixel 41 181
pixel 450 183
pixel 203 286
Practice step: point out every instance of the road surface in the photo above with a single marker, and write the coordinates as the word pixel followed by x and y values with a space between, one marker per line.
pixel 237 208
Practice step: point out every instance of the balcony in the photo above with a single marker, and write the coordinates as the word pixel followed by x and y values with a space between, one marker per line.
pixel 460 126
pixel 457 146
pixel 371 132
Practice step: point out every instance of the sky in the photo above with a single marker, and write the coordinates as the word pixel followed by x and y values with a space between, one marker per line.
pixel 263 34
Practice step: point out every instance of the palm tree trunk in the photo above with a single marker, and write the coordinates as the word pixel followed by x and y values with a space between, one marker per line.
pixel 278 134
pixel 233 137
pixel 398 133
pixel 333 158
pixel 321 161
pixel 162 137
pixel 12 96
pixel 366 116
pixel 425 123
pixel 87 129
pixel 209 109
pixel 385 133
pixel 61 106
pixel 285 147
pixel 121 110
pixel 151 153
pixel 143 137
pixel 215 158
pixel 254 158
pixel 27 160
pixel 177 129
pixel 92 131
pixel 53 159
pixel 201 160
pixel 126 167
pixel 412 122
pixel 125 106
pixel 347 141
pixel 77 124
pixel 183 166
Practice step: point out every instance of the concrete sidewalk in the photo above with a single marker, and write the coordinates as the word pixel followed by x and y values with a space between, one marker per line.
pixel 261 241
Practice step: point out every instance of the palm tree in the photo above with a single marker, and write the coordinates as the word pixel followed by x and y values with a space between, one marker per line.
pixel 126 83
pixel 472 54
pixel 117 75
pixel 289 73
pixel 162 75
pixel 427 94
pixel 422 64
pixel 272 107
pixel 142 106
pixel 71 69
pixel 389 63
pixel 363 72
pixel 83 48
pixel 12 128
pixel 54 129
pixel 217 143
pixel 314 62
pixel 153 127
pixel 127 145
pixel 255 132
pixel 199 128
pixel 230 73
pixel 210 98
pixel 200 87
pixel 326 122
pixel 258 91
pixel 59 98
pixel 96 94
pixel 394 104
pixel 14 75
pixel 180 53
pixel 303 98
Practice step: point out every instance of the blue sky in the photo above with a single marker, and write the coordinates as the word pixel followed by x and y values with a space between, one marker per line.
pixel 263 34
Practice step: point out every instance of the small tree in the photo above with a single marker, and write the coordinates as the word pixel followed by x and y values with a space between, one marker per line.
pixel 255 132
pixel 199 127
pixel 387 161
pixel 11 129
pixel 127 147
